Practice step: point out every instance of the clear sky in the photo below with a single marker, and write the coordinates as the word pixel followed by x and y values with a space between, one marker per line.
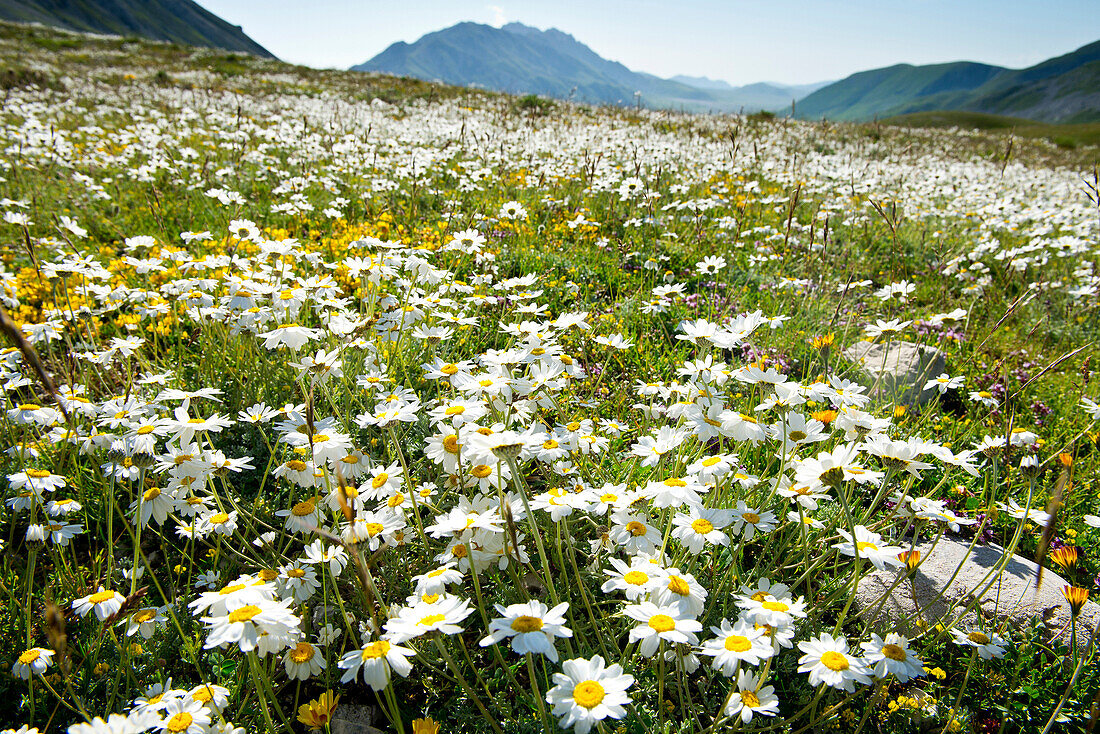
pixel 739 41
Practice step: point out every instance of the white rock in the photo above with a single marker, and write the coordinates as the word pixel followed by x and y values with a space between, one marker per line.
pixel 1012 595
pixel 351 718
pixel 896 371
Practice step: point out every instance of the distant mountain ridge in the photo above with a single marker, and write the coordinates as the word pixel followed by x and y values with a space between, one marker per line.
pixel 523 60
pixel 1062 89
pixel 178 21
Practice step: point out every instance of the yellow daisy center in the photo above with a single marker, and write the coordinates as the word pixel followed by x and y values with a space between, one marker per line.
pixel 894 652
pixel 379 649
pixel 302 653
pixel 525 623
pixel 678 586
pixel 834 661
pixel 588 694
pixel 702 526
pixel 205 694
pixel 662 622
pixel 245 613
pixel 179 722
pixel 737 643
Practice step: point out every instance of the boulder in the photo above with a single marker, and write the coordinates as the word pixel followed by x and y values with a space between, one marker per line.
pixel 353 718
pixel 896 371
pixel 1012 596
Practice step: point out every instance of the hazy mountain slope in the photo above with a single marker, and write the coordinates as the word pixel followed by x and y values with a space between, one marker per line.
pixel 520 59
pixel 1062 89
pixel 179 21
pixel 879 91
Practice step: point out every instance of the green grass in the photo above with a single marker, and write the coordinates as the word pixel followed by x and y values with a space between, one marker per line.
pixel 1066 136
pixel 405 173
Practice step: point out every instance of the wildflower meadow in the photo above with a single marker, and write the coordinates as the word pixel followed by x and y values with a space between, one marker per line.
pixel 329 393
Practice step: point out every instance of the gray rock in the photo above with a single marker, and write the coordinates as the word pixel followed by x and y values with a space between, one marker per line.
pixel 896 371
pixel 1012 595
pixel 352 718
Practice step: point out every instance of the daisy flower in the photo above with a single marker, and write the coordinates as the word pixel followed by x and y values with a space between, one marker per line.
pixel 422 617
pixel 185 715
pixel 700 526
pixel 375 661
pixel 135 721
pixel 34 660
pixel 532 627
pixel 732 645
pixel 750 698
pixel 213 697
pixel 633 533
pixel 587 692
pixel 104 602
pixel 144 621
pixel 773 611
pixel 635 580
pixel 335 556
pixel 892 655
pixel 748 521
pixel 660 623
pixel 244 624
pixel 989 645
pixel 869 545
pixel 681 591
pixel 303 661
pixel 828 661
pixel 1018 511
pixel 436 580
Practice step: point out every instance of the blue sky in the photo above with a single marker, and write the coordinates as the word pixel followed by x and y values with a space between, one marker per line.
pixel 740 41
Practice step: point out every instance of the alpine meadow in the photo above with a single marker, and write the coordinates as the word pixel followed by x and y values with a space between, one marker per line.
pixel 343 402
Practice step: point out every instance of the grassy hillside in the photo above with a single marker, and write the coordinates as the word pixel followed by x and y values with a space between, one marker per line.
pixel 1066 136
pixel 870 93
pixel 1063 89
pixel 315 386
pixel 180 21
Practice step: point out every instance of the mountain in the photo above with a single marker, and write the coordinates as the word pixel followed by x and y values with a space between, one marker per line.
pixel 701 82
pixel 178 21
pixel 758 96
pixel 524 60
pixel 1062 89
